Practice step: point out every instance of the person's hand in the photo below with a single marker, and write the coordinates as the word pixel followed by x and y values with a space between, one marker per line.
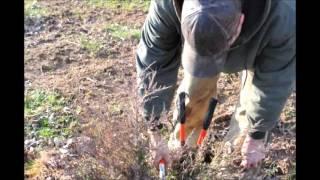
pixel 252 151
pixel 159 150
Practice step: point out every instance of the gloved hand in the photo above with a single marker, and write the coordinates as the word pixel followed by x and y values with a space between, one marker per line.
pixel 252 151
pixel 159 150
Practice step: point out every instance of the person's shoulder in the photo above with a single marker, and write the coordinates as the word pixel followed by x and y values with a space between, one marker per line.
pixel 283 19
pixel 284 9
pixel 165 10
pixel 291 4
pixel 165 6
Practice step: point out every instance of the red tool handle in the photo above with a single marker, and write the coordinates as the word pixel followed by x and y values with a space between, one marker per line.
pixel 202 135
pixel 182 134
pixel 162 161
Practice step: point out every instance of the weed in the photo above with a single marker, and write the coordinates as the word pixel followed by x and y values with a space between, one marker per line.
pixel 128 5
pixel 33 9
pixel 93 46
pixel 272 170
pixel 122 32
pixel 45 113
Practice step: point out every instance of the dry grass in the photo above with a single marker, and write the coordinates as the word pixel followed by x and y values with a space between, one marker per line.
pixel 122 143
pixel 38 168
pixel 34 168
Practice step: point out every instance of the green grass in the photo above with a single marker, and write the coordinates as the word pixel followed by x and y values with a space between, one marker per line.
pixel 290 113
pixel 37 101
pixel 33 9
pixel 28 165
pixel 122 32
pixel 128 5
pixel 292 176
pixel 46 132
pixel 292 172
pixel 93 46
pixel 46 109
pixel 272 170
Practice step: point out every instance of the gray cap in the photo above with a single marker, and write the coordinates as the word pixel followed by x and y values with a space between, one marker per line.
pixel 208 27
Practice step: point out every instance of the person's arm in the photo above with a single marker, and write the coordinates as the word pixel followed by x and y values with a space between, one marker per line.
pixel 272 83
pixel 158 53
pixel 274 74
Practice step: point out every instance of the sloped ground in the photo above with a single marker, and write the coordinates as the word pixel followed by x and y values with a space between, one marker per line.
pixel 80 78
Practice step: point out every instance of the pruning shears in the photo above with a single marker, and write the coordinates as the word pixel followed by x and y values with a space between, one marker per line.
pixel 182 135
pixel 182 119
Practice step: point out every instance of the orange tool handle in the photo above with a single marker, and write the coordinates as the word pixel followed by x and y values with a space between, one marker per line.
pixel 202 135
pixel 182 117
pixel 182 134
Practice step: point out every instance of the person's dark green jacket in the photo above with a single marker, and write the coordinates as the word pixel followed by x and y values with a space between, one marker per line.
pixel 266 45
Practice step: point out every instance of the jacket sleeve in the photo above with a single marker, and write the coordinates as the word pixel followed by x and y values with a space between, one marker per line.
pixel 157 58
pixel 274 74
